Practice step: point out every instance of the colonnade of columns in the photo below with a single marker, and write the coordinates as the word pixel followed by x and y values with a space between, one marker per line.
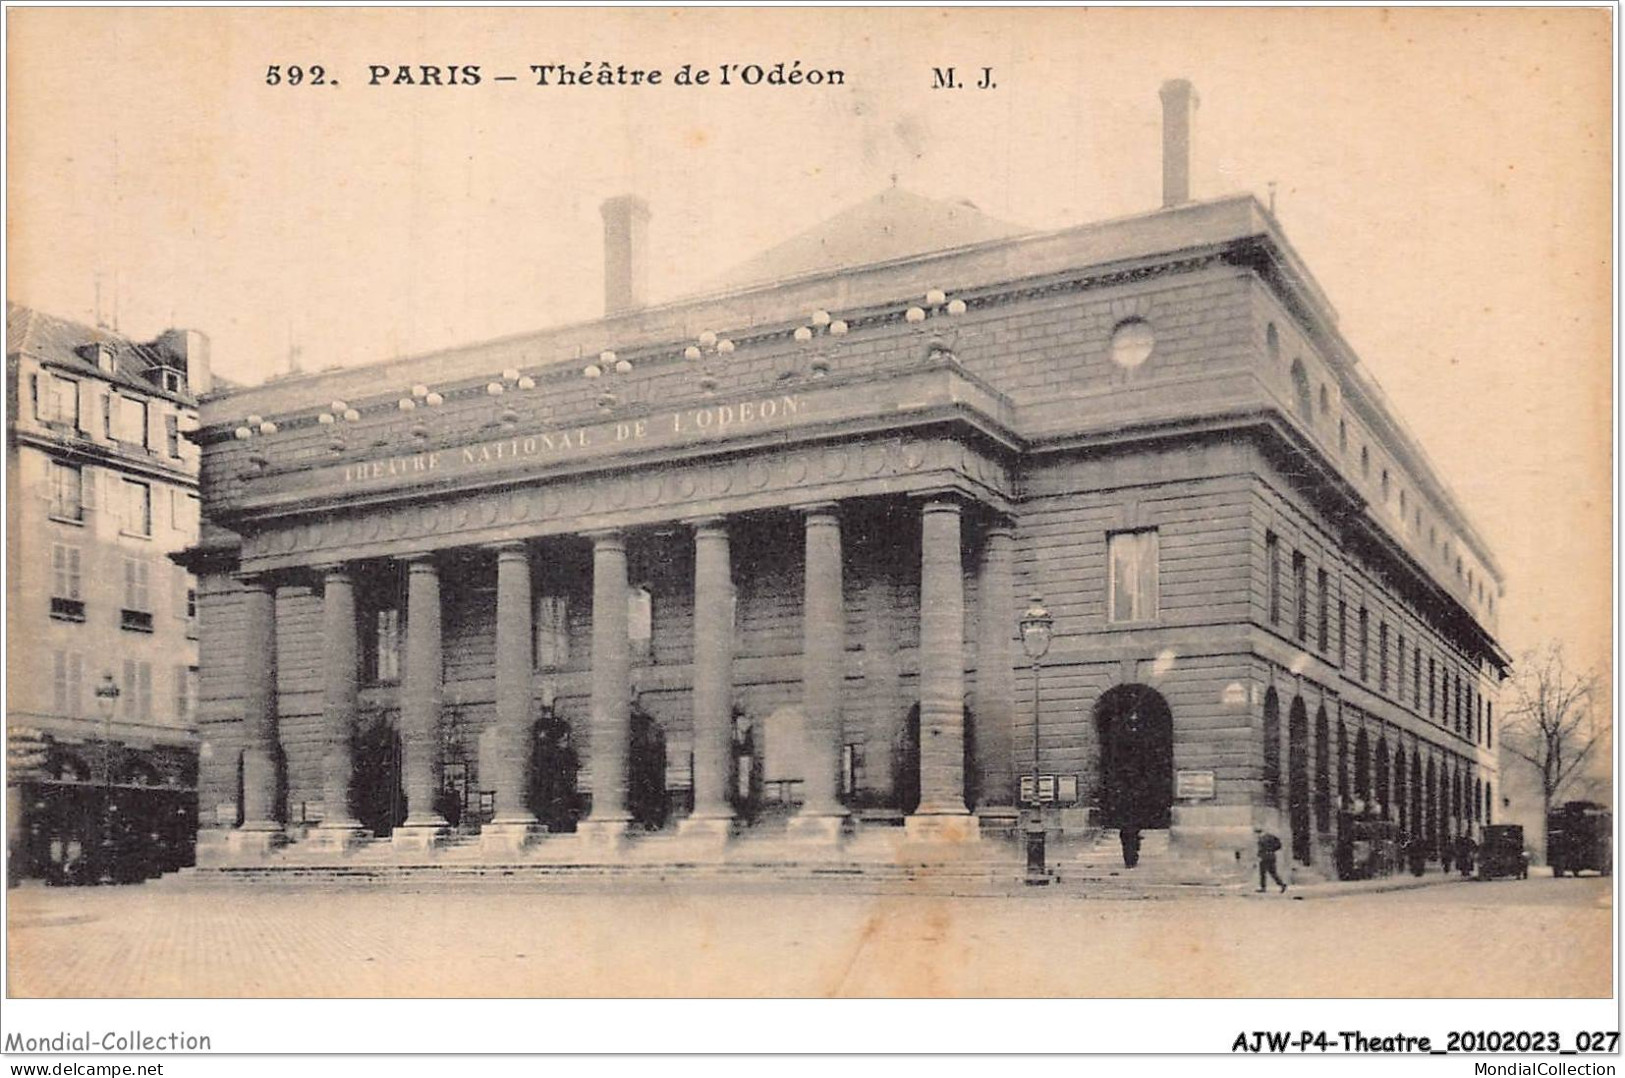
pixel 942 811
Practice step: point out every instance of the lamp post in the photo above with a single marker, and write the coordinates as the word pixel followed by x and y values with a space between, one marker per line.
pixel 1036 624
pixel 107 694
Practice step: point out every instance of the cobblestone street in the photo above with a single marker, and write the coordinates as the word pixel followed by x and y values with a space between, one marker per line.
pixel 1538 937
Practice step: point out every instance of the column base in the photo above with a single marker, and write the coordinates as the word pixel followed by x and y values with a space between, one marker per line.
pixel 508 836
pixel 710 829
pixel 338 837
pixel 256 839
pixel 998 821
pixel 607 835
pixel 817 829
pixel 419 834
pixel 942 829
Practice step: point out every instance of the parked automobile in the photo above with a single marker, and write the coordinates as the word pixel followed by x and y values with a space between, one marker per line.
pixel 1580 837
pixel 1502 853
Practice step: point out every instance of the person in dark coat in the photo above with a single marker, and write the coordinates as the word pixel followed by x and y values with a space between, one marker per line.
pixel 1268 846
pixel 1130 837
pixel 1416 853
pixel 1466 850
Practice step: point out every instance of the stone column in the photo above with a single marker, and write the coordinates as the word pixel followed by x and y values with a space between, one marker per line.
pixel 823 651
pixel 995 676
pixel 611 678
pixel 340 674
pixel 508 767
pixel 713 680
pixel 942 813
pixel 260 830
pixel 421 693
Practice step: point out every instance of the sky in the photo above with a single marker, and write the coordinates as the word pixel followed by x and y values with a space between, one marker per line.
pixel 1444 173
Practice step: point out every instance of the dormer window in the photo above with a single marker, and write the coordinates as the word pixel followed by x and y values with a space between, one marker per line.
pixel 104 357
pixel 167 379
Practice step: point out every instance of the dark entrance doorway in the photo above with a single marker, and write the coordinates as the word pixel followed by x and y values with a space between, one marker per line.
pixel 646 774
pixel 1136 757
pixel 377 799
pixel 1297 782
pixel 908 762
pixel 553 766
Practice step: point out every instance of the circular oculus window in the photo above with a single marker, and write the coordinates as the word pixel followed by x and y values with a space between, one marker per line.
pixel 1132 342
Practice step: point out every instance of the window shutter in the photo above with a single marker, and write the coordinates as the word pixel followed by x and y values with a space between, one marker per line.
pixel 76 679
pixel 87 486
pixel 33 394
pixel 128 710
pixel 144 672
pixel 59 682
pixel 73 573
pixel 59 570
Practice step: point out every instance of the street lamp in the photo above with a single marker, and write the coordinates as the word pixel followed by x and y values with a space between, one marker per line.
pixel 107 695
pixel 1036 624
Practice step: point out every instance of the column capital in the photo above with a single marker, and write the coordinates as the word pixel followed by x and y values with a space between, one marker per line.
pixel 508 548
pixel 714 524
pixel 819 514
pixel 266 582
pixel 942 499
pixel 606 538
pixel 328 570
pixel 425 561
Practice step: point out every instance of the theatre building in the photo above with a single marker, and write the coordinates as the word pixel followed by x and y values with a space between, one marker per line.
pixel 751 564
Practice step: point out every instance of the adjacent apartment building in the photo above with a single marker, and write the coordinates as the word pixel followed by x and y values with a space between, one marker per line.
pixel 101 625
pixel 754 561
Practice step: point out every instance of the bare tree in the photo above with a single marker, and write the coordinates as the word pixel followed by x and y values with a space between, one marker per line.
pixel 1551 724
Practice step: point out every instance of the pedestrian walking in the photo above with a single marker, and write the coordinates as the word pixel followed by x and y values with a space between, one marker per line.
pixel 1268 846
pixel 1466 851
pixel 1130 837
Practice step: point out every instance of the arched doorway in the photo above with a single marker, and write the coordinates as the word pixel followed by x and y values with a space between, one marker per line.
pixel 1401 803
pixel 551 792
pixel 1417 828
pixel 1430 817
pixel 1323 776
pixel 646 772
pixel 1384 777
pixel 377 798
pixel 908 762
pixel 1362 768
pixel 1136 732
pixel 1342 766
pixel 1272 748
pixel 1298 781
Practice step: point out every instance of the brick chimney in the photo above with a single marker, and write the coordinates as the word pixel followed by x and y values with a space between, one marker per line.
pixel 1178 104
pixel 626 248
pixel 188 350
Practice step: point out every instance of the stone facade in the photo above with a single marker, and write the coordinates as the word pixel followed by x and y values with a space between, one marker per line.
pixel 802 560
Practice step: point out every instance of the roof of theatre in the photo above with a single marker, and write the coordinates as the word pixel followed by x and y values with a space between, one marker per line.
pixel 890 225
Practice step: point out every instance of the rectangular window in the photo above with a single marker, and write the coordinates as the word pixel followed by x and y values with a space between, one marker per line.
pixel 1416 678
pixel 640 621
pixel 137 508
pixel 1133 585
pixel 67 677
pixel 1382 656
pixel 137 611
pixel 1342 633
pixel 172 435
pixel 1489 724
pixel 1300 594
pixel 552 632
pixel 58 401
pixel 1322 617
pixel 1433 698
pixel 1399 666
pixel 185 692
pixel 67 601
pixel 381 658
pixel 1365 644
pixel 1272 555
pixel 129 420
pixel 67 492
